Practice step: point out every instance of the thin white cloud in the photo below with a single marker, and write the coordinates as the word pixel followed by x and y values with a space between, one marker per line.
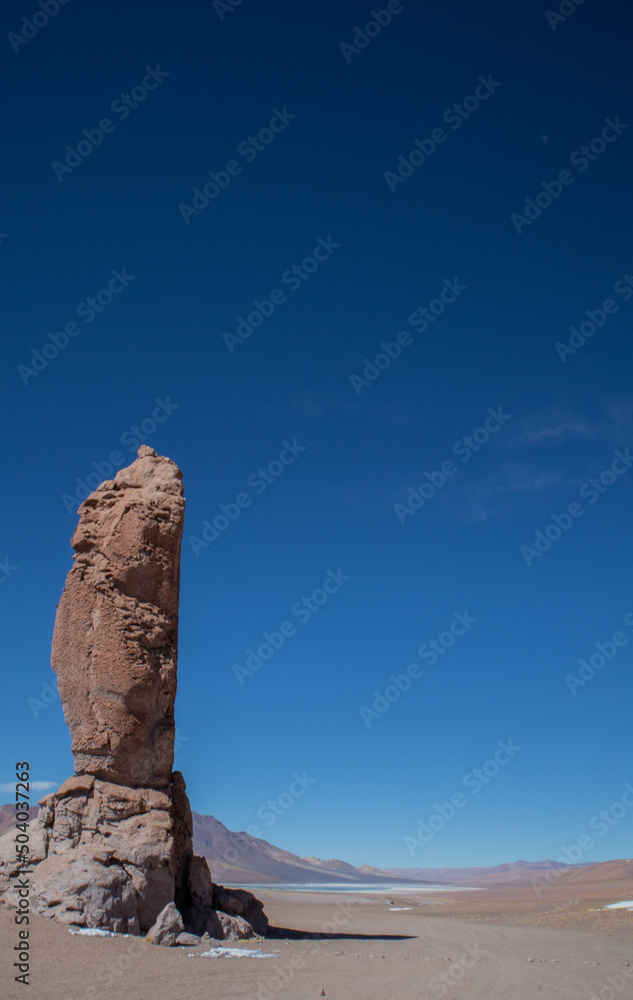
pixel 553 430
pixel 488 496
pixel 36 786
pixel 483 496
pixel 557 426
pixel 559 431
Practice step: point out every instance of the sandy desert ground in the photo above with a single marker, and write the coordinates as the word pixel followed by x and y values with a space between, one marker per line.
pixel 497 944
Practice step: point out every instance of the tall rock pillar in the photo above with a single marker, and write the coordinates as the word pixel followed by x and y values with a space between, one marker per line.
pixel 115 644
pixel 112 848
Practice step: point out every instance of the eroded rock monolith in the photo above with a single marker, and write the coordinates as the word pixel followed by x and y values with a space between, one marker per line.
pixel 115 644
pixel 112 848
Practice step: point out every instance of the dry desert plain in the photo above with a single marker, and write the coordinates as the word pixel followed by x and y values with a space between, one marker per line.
pixel 501 942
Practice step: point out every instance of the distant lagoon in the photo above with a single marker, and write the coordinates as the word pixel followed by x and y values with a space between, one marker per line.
pixel 390 888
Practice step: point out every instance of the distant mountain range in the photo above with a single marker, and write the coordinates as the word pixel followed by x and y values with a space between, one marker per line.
pixel 518 868
pixel 238 858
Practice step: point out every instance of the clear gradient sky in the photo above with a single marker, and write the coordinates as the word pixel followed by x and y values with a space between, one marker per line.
pixel 431 174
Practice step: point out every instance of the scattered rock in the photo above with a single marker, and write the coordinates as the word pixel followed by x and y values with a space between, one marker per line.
pixel 188 939
pixel 167 927
pixel 235 928
pixel 205 921
pixel 240 903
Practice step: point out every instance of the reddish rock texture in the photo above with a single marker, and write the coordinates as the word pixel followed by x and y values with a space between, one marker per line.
pixel 112 848
pixel 115 644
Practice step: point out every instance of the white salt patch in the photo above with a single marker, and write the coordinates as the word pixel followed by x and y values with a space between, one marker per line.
pixel 626 905
pixel 233 953
pixel 95 932
pixel 400 907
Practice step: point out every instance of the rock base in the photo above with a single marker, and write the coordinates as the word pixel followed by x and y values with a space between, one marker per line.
pixel 112 857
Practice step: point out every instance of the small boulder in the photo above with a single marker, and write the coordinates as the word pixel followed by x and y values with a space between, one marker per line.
pixel 241 903
pixel 235 928
pixel 189 939
pixel 204 921
pixel 167 927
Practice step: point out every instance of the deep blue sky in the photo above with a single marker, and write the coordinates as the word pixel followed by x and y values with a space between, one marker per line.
pixel 161 337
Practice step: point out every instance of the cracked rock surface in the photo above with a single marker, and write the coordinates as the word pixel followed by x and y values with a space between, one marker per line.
pixel 115 644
